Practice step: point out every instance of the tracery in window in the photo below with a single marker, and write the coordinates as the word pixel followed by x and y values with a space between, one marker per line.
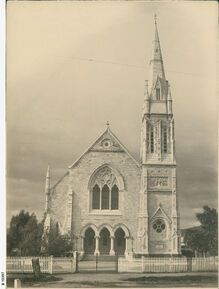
pixel 159 225
pixel 105 191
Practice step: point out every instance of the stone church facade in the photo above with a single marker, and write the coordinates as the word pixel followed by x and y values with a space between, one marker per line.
pixel 111 203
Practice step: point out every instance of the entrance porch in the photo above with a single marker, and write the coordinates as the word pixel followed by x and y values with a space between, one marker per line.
pixel 106 241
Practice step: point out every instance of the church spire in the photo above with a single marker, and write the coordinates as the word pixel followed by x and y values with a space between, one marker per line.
pixel 156 62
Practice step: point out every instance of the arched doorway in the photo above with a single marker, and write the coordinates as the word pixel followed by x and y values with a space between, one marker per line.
pixel 104 242
pixel 89 241
pixel 120 242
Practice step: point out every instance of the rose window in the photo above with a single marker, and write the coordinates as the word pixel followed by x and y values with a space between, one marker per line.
pixel 159 226
pixel 106 143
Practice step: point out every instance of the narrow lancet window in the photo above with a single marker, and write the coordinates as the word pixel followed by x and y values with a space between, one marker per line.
pixel 114 198
pixel 96 198
pixel 152 141
pixel 165 140
pixel 105 198
pixel 158 93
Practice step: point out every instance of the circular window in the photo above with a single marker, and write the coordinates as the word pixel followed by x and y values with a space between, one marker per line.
pixel 159 226
pixel 106 143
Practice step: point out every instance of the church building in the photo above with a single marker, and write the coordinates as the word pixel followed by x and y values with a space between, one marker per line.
pixel 110 202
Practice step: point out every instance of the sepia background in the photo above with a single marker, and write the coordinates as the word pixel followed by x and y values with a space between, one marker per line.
pixel 72 66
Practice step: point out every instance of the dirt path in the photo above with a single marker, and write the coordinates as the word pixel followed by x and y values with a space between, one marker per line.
pixel 128 280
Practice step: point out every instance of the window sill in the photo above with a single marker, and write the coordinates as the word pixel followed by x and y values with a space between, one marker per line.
pixel 106 212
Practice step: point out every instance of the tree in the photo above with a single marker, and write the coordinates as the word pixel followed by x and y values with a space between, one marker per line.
pixel 205 237
pixel 196 240
pixel 24 235
pixel 209 226
pixel 59 244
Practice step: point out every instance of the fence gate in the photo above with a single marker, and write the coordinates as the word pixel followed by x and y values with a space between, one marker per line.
pixel 102 263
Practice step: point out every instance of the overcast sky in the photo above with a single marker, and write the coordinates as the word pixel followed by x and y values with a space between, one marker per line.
pixel 71 66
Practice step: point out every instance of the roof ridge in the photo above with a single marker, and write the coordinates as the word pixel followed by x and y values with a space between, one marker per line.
pixel 93 144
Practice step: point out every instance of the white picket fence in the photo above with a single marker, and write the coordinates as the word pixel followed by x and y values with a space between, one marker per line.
pixel 145 264
pixel 165 264
pixel 47 265
pixel 201 264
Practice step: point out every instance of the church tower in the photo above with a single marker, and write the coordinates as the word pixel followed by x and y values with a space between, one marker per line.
pixel 158 220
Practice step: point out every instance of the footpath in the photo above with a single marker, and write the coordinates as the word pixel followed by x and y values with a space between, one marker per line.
pixel 128 280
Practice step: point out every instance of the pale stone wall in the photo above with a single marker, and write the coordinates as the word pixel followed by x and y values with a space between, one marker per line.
pixel 58 204
pixel 129 197
pixel 75 184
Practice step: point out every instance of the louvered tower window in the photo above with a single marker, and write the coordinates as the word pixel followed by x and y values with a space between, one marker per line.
pixel 158 93
pixel 152 141
pixel 165 140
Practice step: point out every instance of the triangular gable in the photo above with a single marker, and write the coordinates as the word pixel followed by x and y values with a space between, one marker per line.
pixel 160 213
pixel 106 142
pixel 161 83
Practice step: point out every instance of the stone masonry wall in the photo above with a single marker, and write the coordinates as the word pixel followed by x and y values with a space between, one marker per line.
pixel 129 198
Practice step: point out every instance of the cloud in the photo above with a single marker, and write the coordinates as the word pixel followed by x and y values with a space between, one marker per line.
pixel 58 102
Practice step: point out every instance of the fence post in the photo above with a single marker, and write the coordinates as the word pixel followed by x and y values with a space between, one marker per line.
pixel 76 261
pixel 73 265
pixel 142 264
pixel 51 265
pixel 17 283
pixel 189 264
pixel 96 262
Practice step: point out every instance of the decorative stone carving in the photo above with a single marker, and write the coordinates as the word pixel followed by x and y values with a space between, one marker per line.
pixel 159 172
pixel 105 176
pixel 158 182
pixel 143 236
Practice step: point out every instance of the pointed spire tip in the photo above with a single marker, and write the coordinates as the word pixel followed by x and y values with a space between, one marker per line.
pixel 155 18
pixel 48 171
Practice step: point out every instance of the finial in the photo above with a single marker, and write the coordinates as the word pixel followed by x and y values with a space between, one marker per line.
pixel 155 18
pixel 107 124
pixel 47 187
pixel 146 88
pixel 48 171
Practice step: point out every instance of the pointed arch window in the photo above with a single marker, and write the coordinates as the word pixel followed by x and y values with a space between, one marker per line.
pixel 152 140
pixel 165 139
pixel 96 198
pixel 158 93
pixel 115 198
pixel 105 198
pixel 104 192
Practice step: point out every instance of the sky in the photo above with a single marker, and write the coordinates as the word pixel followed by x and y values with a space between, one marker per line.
pixel 72 66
